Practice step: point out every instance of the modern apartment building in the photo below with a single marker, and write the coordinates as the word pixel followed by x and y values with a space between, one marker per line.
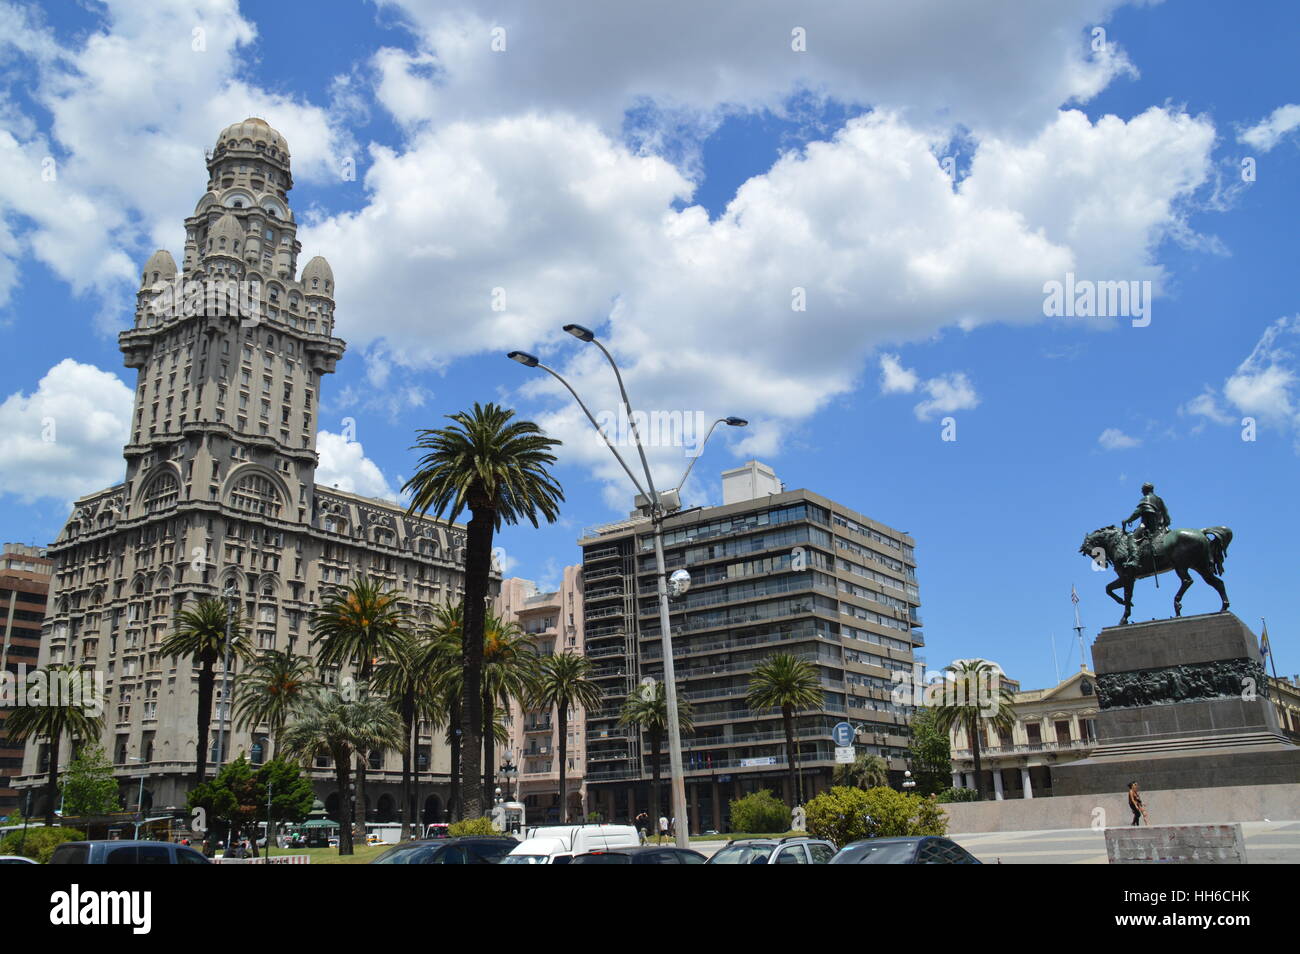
pixel 553 621
pixel 773 570
pixel 24 591
pixel 220 490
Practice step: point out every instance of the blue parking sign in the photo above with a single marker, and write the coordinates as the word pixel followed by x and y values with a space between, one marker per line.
pixel 842 734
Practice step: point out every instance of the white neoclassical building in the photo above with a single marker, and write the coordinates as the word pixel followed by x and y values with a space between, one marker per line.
pixel 220 490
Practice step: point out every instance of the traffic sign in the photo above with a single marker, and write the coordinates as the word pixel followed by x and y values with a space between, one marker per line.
pixel 845 754
pixel 842 734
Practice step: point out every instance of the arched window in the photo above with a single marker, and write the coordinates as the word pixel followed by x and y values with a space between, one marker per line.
pixel 163 493
pixel 256 494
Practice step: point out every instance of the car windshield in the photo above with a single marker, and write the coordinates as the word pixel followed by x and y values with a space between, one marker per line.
pixel 524 860
pixel 890 853
pixel 742 855
pixel 413 855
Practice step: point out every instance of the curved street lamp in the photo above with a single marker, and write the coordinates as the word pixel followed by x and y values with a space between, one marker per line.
pixel 657 515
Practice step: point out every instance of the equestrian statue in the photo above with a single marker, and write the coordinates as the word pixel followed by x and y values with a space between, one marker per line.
pixel 1154 548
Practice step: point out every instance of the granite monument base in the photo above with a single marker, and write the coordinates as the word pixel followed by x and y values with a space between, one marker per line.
pixel 1183 704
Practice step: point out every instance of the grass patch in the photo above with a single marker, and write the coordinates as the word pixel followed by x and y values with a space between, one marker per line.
pixel 330 856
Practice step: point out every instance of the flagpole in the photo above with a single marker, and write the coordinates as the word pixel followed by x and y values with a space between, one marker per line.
pixel 1078 626
pixel 1268 647
pixel 1056 664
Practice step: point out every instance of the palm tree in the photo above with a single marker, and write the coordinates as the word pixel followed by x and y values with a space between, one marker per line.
pixel 509 672
pixel 866 771
pixel 564 681
pixel 339 725
pixel 443 657
pixel 647 710
pixel 357 625
pixel 270 690
pixel 200 634
pixel 60 701
pixel 407 680
pixel 498 470
pixel 789 683
pixel 967 703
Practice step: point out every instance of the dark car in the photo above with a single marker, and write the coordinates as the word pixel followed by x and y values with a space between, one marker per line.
pixel 465 850
pixel 110 852
pixel 644 855
pixel 916 850
pixel 792 850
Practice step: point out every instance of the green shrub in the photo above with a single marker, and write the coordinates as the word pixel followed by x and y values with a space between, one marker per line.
pixel 959 795
pixel 472 826
pixel 843 815
pixel 761 813
pixel 39 843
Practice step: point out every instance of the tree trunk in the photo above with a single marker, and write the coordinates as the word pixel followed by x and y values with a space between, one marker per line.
pixel 975 728
pixel 408 797
pixel 455 809
pixel 489 747
pixel 787 717
pixel 52 779
pixel 207 679
pixel 478 568
pixel 359 822
pixel 656 741
pixel 345 803
pixel 562 717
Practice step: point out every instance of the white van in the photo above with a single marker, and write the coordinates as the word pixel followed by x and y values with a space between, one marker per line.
pixel 557 844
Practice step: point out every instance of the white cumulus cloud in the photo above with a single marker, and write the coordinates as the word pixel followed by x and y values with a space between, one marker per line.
pixel 345 466
pixel 1267 133
pixel 65 439
pixel 1112 438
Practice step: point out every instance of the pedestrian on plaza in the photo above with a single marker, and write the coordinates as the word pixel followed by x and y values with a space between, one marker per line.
pixel 1135 804
pixel 663 827
pixel 642 823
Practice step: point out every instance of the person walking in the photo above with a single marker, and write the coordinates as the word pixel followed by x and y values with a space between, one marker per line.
pixel 1135 804
pixel 663 827
pixel 642 823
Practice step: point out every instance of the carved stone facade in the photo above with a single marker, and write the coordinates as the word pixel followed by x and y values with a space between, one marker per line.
pixel 220 490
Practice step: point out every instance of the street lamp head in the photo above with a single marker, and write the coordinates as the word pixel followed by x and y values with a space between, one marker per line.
pixel 524 358
pixel 736 421
pixel 581 333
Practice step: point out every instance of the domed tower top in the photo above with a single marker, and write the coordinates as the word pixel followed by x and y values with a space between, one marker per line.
pixel 318 278
pixel 242 149
pixel 161 267
pixel 255 134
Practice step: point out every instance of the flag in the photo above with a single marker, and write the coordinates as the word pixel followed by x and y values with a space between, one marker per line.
pixel 1074 595
pixel 1264 648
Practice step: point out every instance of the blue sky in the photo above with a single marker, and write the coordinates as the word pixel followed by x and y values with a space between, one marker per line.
pixel 668 178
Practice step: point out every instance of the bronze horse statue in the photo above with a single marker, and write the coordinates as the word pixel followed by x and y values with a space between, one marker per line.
pixel 1179 550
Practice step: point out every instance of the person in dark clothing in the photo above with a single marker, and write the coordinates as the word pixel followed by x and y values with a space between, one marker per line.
pixel 1135 803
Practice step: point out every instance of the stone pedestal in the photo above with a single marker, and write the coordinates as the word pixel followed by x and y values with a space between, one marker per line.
pixel 1183 704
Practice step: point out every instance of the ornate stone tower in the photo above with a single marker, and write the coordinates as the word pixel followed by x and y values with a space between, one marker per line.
pixel 219 494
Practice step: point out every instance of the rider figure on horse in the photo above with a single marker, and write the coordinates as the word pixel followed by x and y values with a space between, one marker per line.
pixel 1154 517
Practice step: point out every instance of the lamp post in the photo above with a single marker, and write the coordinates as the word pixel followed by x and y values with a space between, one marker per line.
pixel 232 596
pixel 508 770
pixel 139 798
pixel 657 514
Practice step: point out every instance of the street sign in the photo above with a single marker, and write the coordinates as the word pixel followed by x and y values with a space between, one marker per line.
pixel 844 754
pixel 842 734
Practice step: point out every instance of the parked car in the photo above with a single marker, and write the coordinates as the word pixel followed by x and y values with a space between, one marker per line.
pixel 109 852
pixel 915 850
pixel 16 860
pixel 792 850
pixel 557 844
pixel 642 855
pixel 466 850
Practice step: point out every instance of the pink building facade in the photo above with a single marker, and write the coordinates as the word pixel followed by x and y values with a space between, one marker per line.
pixel 553 622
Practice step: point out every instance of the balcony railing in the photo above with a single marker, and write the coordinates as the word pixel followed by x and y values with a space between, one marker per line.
pixel 1024 748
